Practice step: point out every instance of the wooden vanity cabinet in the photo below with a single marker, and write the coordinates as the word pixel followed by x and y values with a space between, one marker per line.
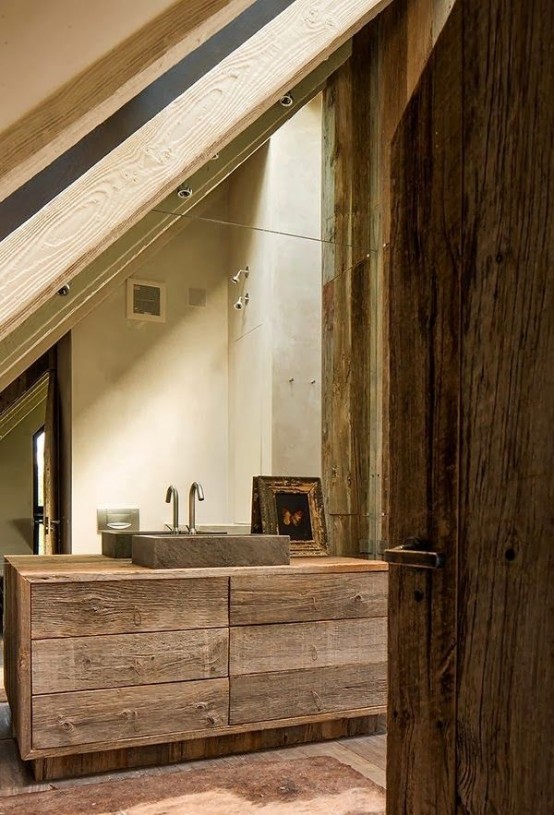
pixel 111 665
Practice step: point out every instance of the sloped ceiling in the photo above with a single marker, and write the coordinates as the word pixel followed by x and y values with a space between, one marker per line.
pixel 66 235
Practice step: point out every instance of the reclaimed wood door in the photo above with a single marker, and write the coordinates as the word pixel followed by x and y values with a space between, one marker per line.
pixel 471 418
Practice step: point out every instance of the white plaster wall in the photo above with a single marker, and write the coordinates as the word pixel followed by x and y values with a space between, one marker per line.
pixel 207 396
pixel 275 424
pixel 149 401
pixel 250 368
pixel 16 486
pixel 296 314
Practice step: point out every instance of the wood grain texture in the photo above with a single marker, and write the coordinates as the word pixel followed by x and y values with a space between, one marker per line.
pixel 51 247
pixel 139 245
pixel 70 766
pixel 110 716
pixel 89 98
pixel 424 392
pixel 505 691
pixel 363 105
pixel 17 654
pixel 274 599
pixel 82 609
pixel 86 663
pixel 13 392
pixel 282 694
pixel 297 646
pixel 54 570
pixel 349 534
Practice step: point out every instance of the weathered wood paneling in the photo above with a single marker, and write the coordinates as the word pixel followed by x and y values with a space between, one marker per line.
pixel 282 599
pixel 17 654
pixel 109 717
pixel 82 609
pixel 179 751
pixel 424 392
pixel 295 646
pixel 506 675
pixel 280 695
pixel 363 105
pixel 86 663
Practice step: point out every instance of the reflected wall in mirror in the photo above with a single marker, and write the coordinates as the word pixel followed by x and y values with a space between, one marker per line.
pixel 215 394
pixel 22 419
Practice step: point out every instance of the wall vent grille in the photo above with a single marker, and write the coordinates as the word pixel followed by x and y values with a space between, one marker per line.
pixel 197 297
pixel 146 300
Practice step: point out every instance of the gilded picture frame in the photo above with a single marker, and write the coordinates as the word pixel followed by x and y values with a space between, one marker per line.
pixel 283 505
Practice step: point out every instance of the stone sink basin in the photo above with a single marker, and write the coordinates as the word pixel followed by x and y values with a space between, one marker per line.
pixel 119 544
pixel 184 551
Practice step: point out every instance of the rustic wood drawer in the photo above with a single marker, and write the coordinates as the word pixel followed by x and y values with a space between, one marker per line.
pixel 111 716
pixel 120 660
pixel 119 607
pixel 286 694
pixel 289 598
pixel 293 646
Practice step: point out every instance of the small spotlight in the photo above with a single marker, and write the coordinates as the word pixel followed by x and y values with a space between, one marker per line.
pixel 287 100
pixel 184 192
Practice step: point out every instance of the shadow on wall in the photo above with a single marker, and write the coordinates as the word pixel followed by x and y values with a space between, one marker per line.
pixel 24 527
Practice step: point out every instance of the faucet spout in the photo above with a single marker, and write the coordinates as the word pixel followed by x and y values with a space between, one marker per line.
pixel 195 491
pixel 170 495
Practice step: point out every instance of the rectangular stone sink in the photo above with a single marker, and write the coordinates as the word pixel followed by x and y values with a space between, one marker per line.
pixel 204 550
pixel 120 544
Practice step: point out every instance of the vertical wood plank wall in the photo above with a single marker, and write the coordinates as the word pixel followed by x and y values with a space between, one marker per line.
pixel 506 671
pixel 363 104
pixel 424 302
pixel 471 308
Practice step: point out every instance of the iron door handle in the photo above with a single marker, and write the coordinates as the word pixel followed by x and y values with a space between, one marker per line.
pixel 415 553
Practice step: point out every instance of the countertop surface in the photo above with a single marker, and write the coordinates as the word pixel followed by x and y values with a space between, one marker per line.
pixel 76 568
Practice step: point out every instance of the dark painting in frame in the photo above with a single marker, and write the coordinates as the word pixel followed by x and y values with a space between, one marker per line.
pixel 283 505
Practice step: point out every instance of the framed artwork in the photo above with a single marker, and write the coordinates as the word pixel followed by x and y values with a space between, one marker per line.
pixel 293 506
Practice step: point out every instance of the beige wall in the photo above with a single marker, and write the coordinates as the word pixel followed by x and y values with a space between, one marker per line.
pixel 44 43
pixel 206 396
pixel 275 424
pixel 149 400
pixel 16 486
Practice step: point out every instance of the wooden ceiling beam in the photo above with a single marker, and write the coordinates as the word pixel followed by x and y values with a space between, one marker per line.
pixel 55 125
pixel 48 250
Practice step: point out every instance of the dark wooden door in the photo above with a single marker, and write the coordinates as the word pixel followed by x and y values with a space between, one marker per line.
pixel 472 421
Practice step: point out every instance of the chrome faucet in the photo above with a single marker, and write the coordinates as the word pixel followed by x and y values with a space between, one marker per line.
pixel 195 490
pixel 173 494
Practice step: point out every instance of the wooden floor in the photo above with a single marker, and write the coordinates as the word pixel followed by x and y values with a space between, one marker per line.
pixel 366 754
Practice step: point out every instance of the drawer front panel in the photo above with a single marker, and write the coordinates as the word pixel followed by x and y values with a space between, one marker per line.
pixel 294 646
pixel 126 606
pixel 110 716
pixel 290 598
pixel 121 660
pixel 286 694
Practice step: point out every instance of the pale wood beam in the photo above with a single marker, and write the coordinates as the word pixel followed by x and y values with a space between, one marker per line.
pixel 70 232
pixel 55 125
pixel 58 315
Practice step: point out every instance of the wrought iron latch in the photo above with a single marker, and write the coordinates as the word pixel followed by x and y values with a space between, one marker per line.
pixel 415 553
